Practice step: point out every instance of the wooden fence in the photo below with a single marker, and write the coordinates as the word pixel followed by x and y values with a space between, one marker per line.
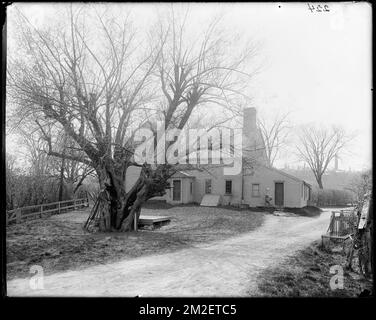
pixel 341 227
pixel 44 210
pixel 342 223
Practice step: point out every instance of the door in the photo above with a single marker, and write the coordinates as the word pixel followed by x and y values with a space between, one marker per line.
pixel 176 190
pixel 279 194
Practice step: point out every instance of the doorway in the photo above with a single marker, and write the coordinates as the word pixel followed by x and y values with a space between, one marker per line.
pixel 279 194
pixel 176 190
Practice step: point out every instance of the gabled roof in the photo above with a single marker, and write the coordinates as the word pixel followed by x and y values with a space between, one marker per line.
pixel 285 174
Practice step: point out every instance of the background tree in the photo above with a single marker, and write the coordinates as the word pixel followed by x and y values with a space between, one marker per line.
pixel 361 185
pixel 96 80
pixel 11 177
pixel 38 179
pixel 319 146
pixel 275 133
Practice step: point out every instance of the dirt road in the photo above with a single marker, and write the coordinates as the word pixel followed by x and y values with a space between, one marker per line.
pixel 226 268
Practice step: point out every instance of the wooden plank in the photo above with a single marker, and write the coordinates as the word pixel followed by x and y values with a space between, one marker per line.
pixel 335 237
pixel 330 228
pixel 66 204
pixel 31 216
pixel 149 220
pixel 156 218
pixel 65 201
pixel 29 207
pixel 68 207
pixel 210 200
pixel 51 210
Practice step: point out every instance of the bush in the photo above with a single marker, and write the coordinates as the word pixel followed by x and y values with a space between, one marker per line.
pixel 332 197
pixel 28 190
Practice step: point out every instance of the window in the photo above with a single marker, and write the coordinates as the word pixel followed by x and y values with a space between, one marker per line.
pixel 228 186
pixel 207 186
pixel 255 190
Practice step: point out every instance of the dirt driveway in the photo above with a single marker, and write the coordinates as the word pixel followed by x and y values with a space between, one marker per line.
pixel 226 268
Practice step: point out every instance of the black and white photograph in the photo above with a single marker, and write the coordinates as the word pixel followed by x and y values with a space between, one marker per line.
pixel 210 150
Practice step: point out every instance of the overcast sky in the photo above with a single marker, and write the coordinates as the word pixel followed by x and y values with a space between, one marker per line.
pixel 315 64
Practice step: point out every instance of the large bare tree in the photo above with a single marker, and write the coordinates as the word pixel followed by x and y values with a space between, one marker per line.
pixel 96 79
pixel 275 132
pixel 319 146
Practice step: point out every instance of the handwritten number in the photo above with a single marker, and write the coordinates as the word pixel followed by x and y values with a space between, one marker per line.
pixel 311 7
pixel 318 8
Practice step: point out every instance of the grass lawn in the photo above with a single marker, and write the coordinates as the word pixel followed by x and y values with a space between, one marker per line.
pixel 59 243
pixel 307 274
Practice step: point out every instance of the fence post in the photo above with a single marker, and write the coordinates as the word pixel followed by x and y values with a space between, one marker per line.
pixel 18 215
pixel 41 210
pixel 59 207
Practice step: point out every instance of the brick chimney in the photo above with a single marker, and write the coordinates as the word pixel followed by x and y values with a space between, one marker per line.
pixel 253 144
pixel 249 128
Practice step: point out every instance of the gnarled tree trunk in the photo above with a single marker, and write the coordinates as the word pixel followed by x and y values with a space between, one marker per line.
pixel 118 208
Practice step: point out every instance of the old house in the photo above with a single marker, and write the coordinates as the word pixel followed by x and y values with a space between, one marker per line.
pixel 253 186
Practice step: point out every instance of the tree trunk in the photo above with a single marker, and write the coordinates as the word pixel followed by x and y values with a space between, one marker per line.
pixel 118 209
pixel 61 180
pixel 319 182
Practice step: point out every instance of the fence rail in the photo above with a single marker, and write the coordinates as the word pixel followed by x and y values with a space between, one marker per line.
pixel 44 210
